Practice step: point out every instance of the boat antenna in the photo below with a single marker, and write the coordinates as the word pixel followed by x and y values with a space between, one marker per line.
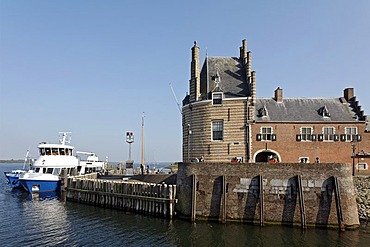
pixel 174 95
pixel 64 135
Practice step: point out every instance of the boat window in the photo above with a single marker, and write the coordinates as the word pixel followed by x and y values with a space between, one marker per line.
pixel 43 170
pixel 47 151
pixel 70 152
pixel 56 171
pixel 50 170
pixel 61 151
pixel 37 169
pixel 42 151
pixel 67 152
pixel 54 151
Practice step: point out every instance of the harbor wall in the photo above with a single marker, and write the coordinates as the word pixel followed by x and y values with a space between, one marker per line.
pixel 280 197
pixel 362 190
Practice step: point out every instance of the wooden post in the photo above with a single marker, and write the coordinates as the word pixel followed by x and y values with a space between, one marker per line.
pixel 64 184
pixel 174 198
pixel 165 206
pixel 261 197
pixel 338 204
pixel 223 217
pixel 301 202
pixel 171 198
pixel 193 197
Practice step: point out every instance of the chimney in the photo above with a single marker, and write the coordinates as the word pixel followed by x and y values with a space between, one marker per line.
pixel 349 93
pixel 195 74
pixel 243 51
pixel 279 95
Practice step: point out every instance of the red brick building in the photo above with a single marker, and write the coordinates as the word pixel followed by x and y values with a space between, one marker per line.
pixel 224 120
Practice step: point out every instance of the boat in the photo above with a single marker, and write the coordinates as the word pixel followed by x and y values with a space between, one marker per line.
pixel 13 176
pixel 91 164
pixel 45 175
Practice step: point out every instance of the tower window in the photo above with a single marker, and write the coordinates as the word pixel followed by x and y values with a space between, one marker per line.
pixel 217 130
pixel 217 98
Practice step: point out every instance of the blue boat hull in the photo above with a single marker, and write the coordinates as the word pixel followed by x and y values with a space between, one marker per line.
pixel 37 186
pixel 13 180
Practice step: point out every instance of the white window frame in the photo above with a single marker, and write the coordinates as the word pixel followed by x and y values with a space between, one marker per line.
pixel 213 130
pixel 300 159
pixel 350 136
pixel 305 136
pixel 266 136
pixel 218 97
pixel 364 164
pixel 328 137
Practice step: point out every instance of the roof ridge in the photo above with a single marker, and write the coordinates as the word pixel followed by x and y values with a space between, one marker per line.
pixel 300 98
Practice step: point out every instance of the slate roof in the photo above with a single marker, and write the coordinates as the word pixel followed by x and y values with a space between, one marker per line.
pixel 233 80
pixel 304 110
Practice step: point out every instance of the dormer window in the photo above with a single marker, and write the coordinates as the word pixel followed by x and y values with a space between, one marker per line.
pixel 323 111
pixel 217 98
pixel 263 112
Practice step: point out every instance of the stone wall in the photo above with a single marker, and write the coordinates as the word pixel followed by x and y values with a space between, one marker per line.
pixel 281 202
pixel 362 190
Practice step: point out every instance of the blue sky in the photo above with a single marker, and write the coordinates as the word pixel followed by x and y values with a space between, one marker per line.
pixel 93 67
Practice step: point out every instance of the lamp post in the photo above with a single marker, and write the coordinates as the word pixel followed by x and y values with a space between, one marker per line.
pixel 129 140
pixel 353 144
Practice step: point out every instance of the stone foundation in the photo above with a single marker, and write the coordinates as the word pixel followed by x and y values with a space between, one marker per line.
pixel 281 201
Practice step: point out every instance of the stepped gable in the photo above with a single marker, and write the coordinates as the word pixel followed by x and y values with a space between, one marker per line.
pixel 304 110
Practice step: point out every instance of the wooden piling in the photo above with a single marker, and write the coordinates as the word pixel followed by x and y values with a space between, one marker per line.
pixel 341 226
pixel 64 184
pixel 145 198
pixel 261 200
pixel 301 202
pixel 223 217
pixel 193 197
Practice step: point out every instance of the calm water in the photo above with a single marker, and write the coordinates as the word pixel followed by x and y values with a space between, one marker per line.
pixel 50 222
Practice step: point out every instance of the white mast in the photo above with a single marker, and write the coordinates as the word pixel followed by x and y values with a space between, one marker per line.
pixel 142 144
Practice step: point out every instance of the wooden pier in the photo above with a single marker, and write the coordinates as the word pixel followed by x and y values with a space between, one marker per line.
pixel 146 198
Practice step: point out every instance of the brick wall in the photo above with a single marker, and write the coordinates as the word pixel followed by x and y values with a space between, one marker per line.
pixel 291 150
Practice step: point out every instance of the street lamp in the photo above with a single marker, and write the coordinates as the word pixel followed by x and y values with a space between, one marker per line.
pixel 353 144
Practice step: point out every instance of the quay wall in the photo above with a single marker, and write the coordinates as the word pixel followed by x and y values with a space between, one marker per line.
pixel 280 195
pixel 362 190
